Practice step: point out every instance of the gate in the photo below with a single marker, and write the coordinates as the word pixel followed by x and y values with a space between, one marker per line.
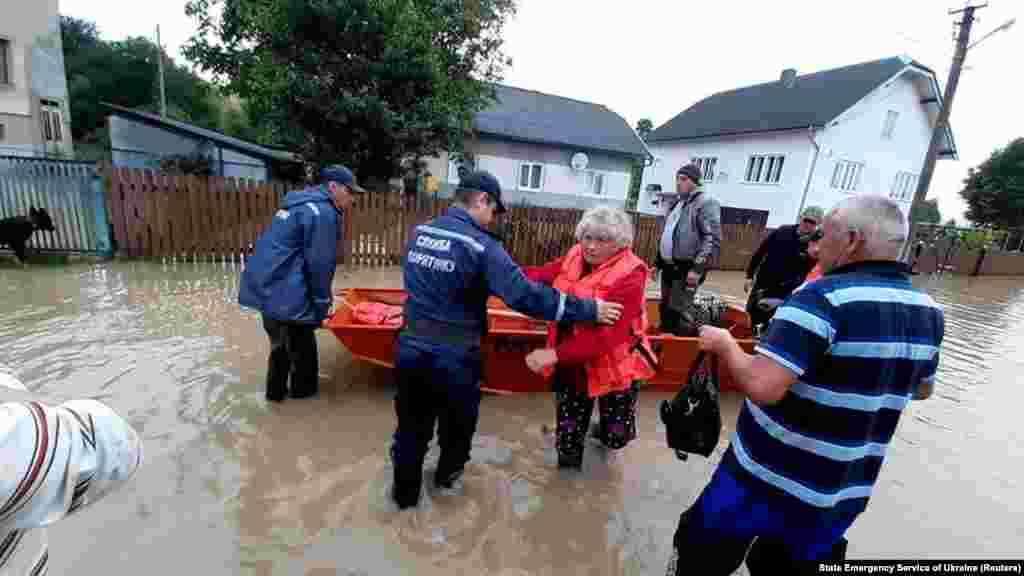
pixel 71 192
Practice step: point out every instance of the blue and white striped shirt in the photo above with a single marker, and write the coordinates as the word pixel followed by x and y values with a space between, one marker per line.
pixel 860 340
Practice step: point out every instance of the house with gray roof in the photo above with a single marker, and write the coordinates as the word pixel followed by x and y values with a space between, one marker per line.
pixel 548 150
pixel 140 139
pixel 768 150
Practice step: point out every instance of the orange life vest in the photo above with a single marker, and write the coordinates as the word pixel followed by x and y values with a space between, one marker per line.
pixel 617 370
pixel 814 274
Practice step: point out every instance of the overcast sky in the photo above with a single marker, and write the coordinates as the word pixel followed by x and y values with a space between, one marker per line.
pixel 654 58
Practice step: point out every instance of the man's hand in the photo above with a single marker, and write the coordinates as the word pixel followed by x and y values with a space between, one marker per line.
pixel 608 312
pixel 540 359
pixel 692 278
pixel 714 340
pixel 747 285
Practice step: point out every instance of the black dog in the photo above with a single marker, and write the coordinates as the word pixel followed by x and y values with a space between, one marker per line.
pixel 15 232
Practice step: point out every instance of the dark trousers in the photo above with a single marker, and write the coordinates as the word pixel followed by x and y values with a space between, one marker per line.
pixel 730 522
pixel 292 354
pixel 616 427
pixel 437 384
pixel 675 298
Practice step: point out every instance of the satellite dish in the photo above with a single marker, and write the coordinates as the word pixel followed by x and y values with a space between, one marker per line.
pixel 579 161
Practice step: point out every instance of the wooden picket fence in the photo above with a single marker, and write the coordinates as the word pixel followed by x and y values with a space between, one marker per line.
pixel 382 224
pixel 156 215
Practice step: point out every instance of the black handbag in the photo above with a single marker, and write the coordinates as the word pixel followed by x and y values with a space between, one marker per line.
pixel 692 418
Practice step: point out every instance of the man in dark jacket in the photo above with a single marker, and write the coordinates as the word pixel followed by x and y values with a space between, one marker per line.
pixel 452 267
pixel 690 241
pixel 288 279
pixel 781 262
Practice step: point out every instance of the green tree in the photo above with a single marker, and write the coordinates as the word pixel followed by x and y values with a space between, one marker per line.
pixel 124 73
pixel 644 127
pixel 994 191
pixel 376 84
pixel 927 212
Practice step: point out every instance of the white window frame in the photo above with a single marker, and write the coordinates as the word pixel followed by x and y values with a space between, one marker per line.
pixel 531 166
pixel 889 127
pixel 595 176
pixel 51 120
pixel 846 175
pixel 904 185
pixel 707 165
pixel 764 169
pixel 6 61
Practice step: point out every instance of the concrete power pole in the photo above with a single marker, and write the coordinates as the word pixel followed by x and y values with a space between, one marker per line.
pixel 160 67
pixel 940 124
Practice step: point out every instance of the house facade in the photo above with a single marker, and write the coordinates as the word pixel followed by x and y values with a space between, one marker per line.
pixel 773 148
pixel 141 140
pixel 35 118
pixel 547 150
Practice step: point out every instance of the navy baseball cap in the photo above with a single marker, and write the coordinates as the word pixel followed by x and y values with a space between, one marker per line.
pixel 342 175
pixel 483 181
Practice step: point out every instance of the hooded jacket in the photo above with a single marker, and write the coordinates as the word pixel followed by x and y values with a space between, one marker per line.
pixel 289 276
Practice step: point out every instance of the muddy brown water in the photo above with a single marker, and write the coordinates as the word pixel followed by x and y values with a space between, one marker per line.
pixel 231 485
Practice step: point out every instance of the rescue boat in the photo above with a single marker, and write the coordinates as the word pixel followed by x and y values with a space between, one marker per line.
pixel 366 322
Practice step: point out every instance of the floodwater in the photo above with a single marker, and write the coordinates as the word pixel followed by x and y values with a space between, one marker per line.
pixel 231 485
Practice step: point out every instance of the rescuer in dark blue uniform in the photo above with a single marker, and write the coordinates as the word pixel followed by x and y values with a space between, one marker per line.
pixel 452 266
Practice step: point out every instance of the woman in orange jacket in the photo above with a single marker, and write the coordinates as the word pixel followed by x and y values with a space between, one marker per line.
pixel 592 363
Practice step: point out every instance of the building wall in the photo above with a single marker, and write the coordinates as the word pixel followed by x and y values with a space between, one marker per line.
pixel 135 144
pixel 857 136
pixel 37 71
pixel 561 186
pixel 731 155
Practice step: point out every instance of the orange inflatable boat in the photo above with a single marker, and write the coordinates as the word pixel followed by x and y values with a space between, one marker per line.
pixel 366 321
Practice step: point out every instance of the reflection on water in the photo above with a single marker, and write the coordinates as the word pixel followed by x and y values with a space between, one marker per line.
pixel 232 485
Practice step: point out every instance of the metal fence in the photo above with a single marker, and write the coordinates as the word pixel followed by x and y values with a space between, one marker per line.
pixel 71 192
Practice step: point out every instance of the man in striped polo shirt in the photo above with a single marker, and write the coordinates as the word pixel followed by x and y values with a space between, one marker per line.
pixel 825 391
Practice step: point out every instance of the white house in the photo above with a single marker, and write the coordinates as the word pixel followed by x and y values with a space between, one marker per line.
pixel 770 149
pixel 548 150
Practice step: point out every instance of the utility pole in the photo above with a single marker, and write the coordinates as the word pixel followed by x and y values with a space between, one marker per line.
pixel 160 66
pixel 940 124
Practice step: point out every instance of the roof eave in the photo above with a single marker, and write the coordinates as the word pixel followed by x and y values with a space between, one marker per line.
pixel 525 140
pixel 730 134
pixel 273 155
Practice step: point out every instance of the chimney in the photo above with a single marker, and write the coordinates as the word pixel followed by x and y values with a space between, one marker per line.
pixel 788 77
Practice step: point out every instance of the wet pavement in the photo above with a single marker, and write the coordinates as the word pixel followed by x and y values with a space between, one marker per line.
pixel 232 485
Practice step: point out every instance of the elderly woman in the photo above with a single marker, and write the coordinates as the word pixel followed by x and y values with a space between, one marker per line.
pixel 588 363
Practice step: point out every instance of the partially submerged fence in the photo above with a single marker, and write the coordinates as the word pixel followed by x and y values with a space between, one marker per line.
pixel 70 192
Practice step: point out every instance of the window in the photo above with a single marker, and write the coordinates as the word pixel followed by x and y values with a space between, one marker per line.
pixel 764 169
pixel 904 186
pixel 50 118
pixel 531 176
pixel 707 168
pixel 890 124
pixel 846 175
pixel 595 182
pixel 2 132
pixel 5 61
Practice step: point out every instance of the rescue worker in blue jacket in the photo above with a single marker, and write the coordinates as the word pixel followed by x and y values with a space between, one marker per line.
pixel 288 279
pixel 452 266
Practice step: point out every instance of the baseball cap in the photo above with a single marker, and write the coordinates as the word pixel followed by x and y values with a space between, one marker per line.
pixel 483 181
pixel 342 175
pixel 813 213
